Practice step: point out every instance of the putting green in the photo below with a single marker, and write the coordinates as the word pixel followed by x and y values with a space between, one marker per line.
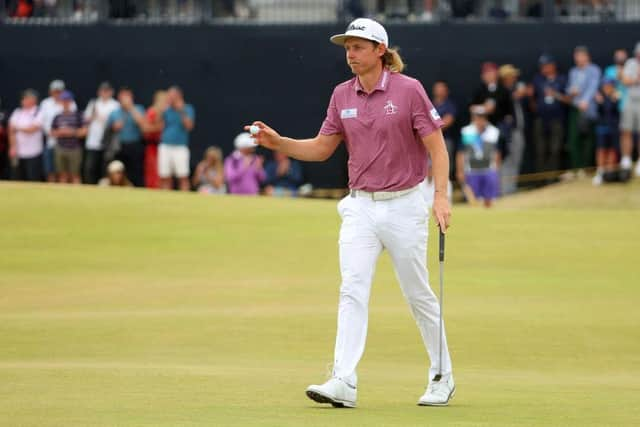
pixel 141 308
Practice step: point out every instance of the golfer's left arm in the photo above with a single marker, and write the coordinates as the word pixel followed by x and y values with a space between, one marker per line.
pixel 440 166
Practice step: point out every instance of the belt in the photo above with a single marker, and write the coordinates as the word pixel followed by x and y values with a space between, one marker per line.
pixel 382 195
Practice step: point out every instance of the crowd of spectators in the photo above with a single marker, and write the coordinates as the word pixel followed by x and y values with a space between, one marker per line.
pixel 567 120
pixel 117 141
pixel 413 10
pixel 591 115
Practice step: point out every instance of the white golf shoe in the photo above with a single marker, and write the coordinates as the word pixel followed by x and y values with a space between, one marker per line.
pixel 438 393
pixel 335 391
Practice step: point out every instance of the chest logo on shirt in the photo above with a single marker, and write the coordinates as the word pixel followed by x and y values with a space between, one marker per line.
pixel 389 108
pixel 349 113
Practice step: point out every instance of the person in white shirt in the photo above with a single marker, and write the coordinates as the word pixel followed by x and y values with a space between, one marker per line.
pixel 49 108
pixel 25 137
pixel 96 114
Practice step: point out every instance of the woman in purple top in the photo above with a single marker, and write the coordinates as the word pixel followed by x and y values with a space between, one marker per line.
pixel 388 125
pixel 243 170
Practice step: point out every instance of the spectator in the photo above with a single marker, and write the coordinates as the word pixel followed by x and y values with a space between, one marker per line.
pixel 116 176
pixel 173 153
pixel 607 134
pixel 243 169
pixel 495 98
pixel 97 114
pixel 152 138
pixel 478 157
pixel 283 176
pixel 51 107
pixel 447 110
pixel 209 175
pixel 513 160
pixel 630 120
pixel 69 129
pixel 614 71
pixel 25 137
pixel 548 90
pixel 129 121
pixel 4 144
pixel 584 80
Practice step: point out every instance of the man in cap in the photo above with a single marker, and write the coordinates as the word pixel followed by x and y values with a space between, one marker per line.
pixel 389 125
pixel 630 120
pixel 97 114
pixel 243 169
pixel 478 156
pixel 69 129
pixel 51 107
pixel 547 102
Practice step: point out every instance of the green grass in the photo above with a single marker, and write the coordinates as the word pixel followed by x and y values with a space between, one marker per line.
pixel 136 308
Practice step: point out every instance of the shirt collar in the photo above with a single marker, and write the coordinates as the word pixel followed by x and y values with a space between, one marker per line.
pixel 382 84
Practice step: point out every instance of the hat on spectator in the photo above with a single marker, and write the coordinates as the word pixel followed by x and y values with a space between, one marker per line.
pixel 66 96
pixel 57 85
pixel 105 86
pixel 29 92
pixel 508 70
pixel 364 28
pixel 546 59
pixel 115 167
pixel 478 110
pixel 244 140
pixel 609 81
pixel 489 66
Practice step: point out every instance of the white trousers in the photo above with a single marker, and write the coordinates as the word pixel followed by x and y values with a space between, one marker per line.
pixel 400 226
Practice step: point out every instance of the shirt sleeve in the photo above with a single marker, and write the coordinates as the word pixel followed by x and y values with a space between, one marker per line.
pixel 13 118
pixel 332 124
pixel 424 116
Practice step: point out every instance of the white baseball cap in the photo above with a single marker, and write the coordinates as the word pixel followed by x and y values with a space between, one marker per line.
pixel 364 28
pixel 57 85
pixel 115 166
pixel 244 140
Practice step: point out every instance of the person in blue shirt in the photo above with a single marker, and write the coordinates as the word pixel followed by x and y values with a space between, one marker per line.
pixel 284 176
pixel 129 122
pixel 178 120
pixel 584 80
pixel 448 111
pixel 548 89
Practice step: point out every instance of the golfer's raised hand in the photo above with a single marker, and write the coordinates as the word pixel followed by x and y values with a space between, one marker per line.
pixel 267 137
pixel 442 212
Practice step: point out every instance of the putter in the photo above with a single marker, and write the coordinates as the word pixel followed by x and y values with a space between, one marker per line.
pixel 438 377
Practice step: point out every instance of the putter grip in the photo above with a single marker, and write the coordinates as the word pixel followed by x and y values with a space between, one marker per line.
pixel 441 246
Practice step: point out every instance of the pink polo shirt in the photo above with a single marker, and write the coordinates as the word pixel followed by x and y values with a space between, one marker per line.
pixel 383 131
pixel 28 145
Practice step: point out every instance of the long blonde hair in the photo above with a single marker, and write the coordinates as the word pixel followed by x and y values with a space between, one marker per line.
pixel 392 60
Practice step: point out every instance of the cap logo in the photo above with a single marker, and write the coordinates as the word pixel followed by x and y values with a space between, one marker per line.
pixel 357 27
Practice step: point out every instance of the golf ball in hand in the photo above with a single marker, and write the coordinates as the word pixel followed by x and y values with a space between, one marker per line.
pixel 254 130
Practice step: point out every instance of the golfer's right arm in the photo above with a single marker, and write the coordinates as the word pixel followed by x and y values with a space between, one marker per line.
pixel 316 149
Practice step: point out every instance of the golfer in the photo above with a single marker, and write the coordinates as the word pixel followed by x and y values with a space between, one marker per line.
pixel 388 124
